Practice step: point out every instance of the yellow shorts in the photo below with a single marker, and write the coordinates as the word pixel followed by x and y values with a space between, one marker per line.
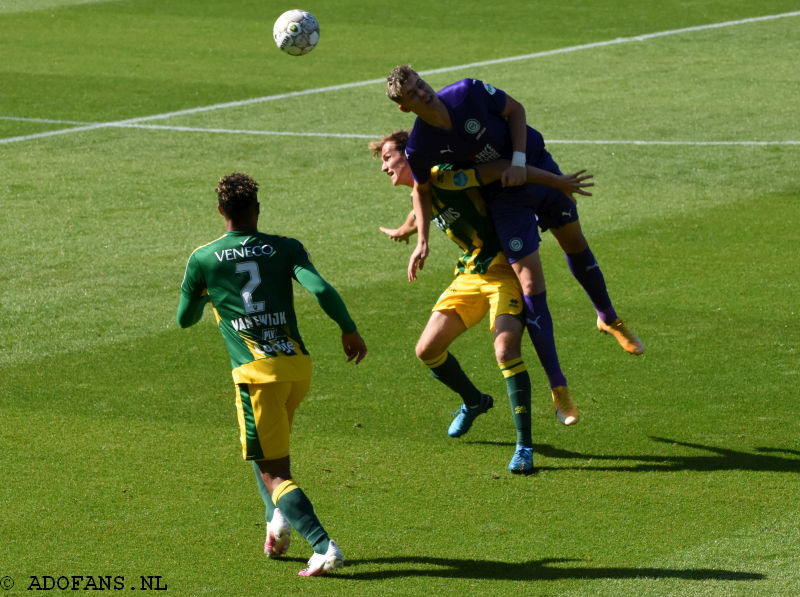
pixel 472 295
pixel 265 412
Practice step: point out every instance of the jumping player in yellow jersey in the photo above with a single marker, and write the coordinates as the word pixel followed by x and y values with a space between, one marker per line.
pixel 484 283
pixel 247 276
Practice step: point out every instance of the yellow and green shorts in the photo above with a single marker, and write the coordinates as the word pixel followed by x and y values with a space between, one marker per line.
pixel 473 295
pixel 265 412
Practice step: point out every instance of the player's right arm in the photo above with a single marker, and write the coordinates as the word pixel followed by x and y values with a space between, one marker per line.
pixel 514 112
pixel 406 230
pixel 190 310
pixel 194 295
pixel 421 199
pixel 331 302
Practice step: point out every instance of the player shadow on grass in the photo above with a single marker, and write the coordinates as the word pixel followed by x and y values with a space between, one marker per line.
pixel 720 459
pixel 530 570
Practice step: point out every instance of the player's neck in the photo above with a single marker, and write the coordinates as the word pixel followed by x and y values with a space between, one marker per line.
pixel 247 228
pixel 437 115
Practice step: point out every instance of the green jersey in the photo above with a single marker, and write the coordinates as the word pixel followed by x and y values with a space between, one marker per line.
pixel 248 279
pixel 458 209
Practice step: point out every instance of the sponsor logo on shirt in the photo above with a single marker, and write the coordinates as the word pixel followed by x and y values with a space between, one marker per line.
pixel 285 346
pixel 487 154
pixel 446 218
pixel 245 253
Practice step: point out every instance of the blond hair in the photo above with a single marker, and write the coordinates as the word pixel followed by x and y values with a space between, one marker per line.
pixel 396 80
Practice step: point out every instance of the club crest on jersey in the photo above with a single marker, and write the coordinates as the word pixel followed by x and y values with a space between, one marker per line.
pixel 490 89
pixel 472 126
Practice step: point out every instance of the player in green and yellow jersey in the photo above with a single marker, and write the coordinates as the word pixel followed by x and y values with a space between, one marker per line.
pixel 247 276
pixel 484 282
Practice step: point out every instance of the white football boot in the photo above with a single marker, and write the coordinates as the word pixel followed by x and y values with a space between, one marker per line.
pixel 279 533
pixel 324 563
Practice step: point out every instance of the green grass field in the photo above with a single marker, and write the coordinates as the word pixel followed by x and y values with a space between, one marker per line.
pixel 118 440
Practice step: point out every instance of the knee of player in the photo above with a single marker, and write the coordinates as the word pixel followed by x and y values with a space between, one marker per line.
pixel 530 277
pixel 505 352
pixel 507 338
pixel 424 352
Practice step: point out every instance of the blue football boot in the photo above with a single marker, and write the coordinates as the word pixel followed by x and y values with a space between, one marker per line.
pixel 465 416
pixel 522 462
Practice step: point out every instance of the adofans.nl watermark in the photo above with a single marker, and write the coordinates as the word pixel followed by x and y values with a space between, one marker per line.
pixel 75 582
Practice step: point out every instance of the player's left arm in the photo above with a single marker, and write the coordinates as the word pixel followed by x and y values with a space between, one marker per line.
pixel 569 184
pixel 331 302
pixel 483 174
pixel 422 201
pixel 514 113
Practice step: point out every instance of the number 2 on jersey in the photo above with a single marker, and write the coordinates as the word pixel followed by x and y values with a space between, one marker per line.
pixel 250 268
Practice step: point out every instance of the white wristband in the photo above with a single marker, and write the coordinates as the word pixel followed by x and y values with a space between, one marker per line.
pixel 518 159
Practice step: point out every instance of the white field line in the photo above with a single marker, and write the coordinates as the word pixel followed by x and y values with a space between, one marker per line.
pixel 223 131
pixel 642 142
pixel 268 98
pixel 190 129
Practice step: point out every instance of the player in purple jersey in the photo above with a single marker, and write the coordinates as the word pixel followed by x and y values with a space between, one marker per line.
pixel 471 122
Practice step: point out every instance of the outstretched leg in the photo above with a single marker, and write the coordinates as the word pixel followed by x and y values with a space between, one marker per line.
pixel 587 272
pixel 584 268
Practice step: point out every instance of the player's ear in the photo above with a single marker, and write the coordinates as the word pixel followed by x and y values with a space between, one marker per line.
pixel 219 209
pixel 402 108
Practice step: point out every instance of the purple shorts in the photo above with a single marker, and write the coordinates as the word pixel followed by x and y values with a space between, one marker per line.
pixel 519 212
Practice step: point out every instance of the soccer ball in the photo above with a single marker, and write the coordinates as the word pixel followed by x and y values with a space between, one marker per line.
pixel 296 32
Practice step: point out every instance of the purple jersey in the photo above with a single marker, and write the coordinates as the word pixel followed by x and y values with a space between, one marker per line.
pixel 479 134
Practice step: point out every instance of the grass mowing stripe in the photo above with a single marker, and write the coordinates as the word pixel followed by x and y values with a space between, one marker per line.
pixel 240 103
pixel 611 42
pixel 85 326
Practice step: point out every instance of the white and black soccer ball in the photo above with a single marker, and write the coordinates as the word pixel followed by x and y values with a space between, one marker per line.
pixel 296 32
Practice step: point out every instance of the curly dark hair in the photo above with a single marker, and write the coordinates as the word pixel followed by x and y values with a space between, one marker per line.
pixel 237 194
